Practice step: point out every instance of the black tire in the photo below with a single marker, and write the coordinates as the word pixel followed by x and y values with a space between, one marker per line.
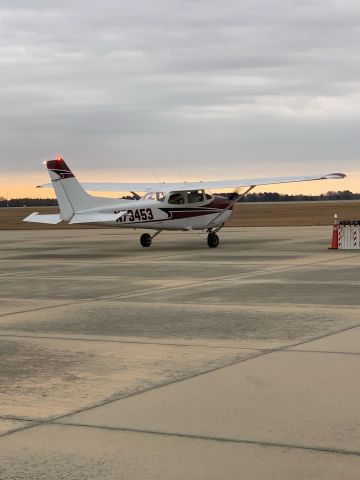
pixel 145 240
pixel 212 240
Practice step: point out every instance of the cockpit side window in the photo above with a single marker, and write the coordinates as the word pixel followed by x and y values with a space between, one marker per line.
pixel 150 196
pixel 195 196
pixel 160 196
pixel 177 198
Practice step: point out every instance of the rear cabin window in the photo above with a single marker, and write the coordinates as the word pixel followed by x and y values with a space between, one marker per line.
pixel 195 196
pixel 177 198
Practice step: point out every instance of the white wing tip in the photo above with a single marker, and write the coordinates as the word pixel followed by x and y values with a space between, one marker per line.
pixel 334 176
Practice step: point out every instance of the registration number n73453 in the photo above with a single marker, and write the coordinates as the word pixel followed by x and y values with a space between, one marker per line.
pixel 138 215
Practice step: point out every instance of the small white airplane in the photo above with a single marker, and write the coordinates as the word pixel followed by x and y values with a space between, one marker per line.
pixel 163 206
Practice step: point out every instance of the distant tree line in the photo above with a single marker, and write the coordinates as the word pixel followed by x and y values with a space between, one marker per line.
pixel 284 197
pixel 28 202
pixel 35 202
pixel 251 197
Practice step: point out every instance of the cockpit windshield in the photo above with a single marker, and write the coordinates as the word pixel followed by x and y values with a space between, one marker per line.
pixel 159 196
pixel 179 198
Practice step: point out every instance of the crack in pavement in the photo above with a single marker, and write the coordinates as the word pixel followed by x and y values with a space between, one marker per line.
pixel 218 439
pixel 137 342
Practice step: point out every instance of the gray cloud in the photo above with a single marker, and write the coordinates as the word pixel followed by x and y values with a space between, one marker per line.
pixel 251 85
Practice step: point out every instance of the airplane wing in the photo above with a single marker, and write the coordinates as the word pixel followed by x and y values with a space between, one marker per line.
pixel 206 185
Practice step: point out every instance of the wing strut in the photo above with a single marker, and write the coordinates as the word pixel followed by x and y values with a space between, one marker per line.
pixel 234 197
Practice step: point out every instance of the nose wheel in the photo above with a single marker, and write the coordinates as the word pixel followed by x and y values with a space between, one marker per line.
pixel 212 240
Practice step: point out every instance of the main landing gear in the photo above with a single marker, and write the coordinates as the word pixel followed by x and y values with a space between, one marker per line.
pixel 212 238
pixel 146 239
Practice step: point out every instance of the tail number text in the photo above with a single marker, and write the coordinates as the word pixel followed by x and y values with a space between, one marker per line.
pixel 140 215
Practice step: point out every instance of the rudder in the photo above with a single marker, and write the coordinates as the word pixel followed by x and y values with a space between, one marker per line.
pixel 71 196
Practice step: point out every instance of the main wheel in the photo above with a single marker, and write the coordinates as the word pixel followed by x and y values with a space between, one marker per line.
pixel 212 240
pixel 145 240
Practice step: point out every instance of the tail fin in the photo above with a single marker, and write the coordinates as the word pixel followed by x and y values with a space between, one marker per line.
pixel 71 196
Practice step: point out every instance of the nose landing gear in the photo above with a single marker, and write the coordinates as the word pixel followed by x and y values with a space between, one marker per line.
pixel 212 236
pixel 212 240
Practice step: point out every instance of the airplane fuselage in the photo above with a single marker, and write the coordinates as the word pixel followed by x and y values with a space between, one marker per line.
pixel 161 215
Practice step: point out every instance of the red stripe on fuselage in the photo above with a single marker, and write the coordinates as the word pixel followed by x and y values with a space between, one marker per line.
pixel 176 215
pixel 220 202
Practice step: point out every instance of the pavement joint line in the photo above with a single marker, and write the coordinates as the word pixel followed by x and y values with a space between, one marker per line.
pixel 165 344
pixel 15 274
pixel 246 281
pixel 320 337
pixel 325 352
pixel 320 306
pixel 165 260
pixel 18 419
pixel 36 309
pixel 31 424
pixel 251 306
pixel 242 306
pixel 214 438
pixel 153 257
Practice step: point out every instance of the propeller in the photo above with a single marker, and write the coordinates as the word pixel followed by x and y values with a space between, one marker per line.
pixel 233 197
pixel 236 194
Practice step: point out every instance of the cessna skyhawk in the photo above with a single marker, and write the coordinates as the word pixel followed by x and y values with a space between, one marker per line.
pixel 163 206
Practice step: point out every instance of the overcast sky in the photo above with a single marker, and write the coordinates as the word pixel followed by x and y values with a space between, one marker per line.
pixel 198 88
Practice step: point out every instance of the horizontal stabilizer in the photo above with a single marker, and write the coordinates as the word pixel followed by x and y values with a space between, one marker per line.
pixel 36 218
pixel 96 217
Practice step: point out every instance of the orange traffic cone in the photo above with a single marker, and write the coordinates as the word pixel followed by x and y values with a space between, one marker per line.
pixel 335 234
